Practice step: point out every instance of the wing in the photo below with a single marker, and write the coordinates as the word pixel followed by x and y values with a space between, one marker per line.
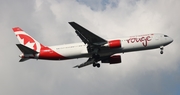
pixel 94 44
pixel 86 36
pixel 88 62
pixel 91 61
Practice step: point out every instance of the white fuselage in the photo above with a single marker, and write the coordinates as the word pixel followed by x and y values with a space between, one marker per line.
pixel 128 44
pixel 96 48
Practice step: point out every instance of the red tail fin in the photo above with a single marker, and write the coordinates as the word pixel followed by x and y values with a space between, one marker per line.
pixel 26 39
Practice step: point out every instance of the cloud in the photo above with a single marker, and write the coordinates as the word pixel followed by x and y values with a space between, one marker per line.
pixel 99 5
pixel 140 73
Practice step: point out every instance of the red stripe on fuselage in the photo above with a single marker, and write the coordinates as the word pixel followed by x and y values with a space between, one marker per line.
pixel 49 54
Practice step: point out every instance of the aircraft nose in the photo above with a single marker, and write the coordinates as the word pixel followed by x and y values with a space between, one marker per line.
pixel 170 40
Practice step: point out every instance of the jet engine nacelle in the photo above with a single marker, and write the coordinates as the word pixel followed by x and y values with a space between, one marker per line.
pixel 114 59
pixel 114 44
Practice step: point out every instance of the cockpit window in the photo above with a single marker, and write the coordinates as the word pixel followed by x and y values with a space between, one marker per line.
pixel 165 36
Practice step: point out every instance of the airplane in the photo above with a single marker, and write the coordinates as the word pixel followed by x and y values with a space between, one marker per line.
pixel 93 47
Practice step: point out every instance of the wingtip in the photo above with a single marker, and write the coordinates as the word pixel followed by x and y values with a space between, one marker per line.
pixel 77 66
pixel 70 23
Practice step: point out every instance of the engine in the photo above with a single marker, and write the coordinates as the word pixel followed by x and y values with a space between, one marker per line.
pixel 114 59
pixel 114 44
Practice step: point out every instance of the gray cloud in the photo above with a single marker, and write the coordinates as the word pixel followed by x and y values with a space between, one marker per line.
pixel 140 73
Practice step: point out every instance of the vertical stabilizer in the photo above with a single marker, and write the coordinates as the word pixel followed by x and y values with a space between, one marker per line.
pixel 27 40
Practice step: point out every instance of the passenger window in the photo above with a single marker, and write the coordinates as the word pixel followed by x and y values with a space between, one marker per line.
pixel 165 36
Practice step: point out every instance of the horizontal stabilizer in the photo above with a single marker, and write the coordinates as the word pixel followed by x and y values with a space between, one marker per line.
pixel 23 59
pixel 26 50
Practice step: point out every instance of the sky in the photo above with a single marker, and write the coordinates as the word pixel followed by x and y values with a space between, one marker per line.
pixel 140 73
